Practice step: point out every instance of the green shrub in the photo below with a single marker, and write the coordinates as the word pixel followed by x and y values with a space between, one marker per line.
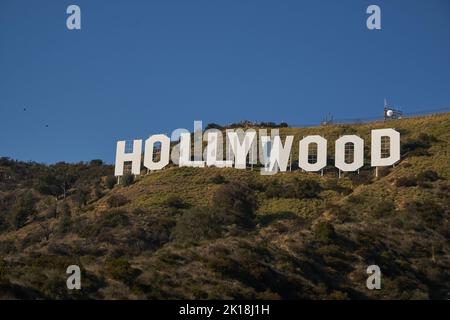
pixel 154 235
pixel 343 213
pixel 427 176
pixel 197 224
pixel 121 270
pixel 116 200
pixel 338 295
pixel 298 189
pixel 324 232
pixel 274 189
pixel 418 146
pixel 114 218
pixel 218 179
pixel 333 184
pixel 308 188
pixel 361 178
pixel 127 180
pixel 82 196
pixel 238 200
pixel 110 182
pixel 256 185
pixel 383 209
pixel 430 213
pixel 65 220
pixel 98 191
pixel 176 202
pixel 406 182
pixel 22 209
pixel 427 138
pixel 3 269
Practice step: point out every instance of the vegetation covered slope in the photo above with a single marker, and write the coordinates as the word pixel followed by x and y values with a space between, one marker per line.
pixel 225 233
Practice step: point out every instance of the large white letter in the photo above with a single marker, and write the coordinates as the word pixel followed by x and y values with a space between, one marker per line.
pixel 185 152
pixel 175 136
pixel 74 20
pixel 240 150
pixel 263 154
pixel 198 140
pixel 304 152
pixel 358 153
pixel 164 152
pixel 394 147
pixel 134 157
pixel 279 154
pixel 214 149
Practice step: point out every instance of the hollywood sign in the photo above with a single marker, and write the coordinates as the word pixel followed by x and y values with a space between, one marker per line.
pixel 243 147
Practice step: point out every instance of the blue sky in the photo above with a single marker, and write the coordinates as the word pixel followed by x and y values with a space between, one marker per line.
pixel 142 67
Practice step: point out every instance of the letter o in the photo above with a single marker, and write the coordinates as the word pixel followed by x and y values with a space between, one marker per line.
pixel 165 152
pixel 321 153
pixel 358 154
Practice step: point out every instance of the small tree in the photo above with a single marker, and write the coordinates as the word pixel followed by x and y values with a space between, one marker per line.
pixel 176 202
pixel 98 192
pixel 324 232
pixel 82 196
pixel 110 182
pixel 384 209
pixel 406 182
pixel 274 189
pixel 308 189
pixel 96 163
pixel 430 212
pixel 127 180
pixel 22 209
pixel 238 201
pixel 65 220
pixel 121 270
pixel 197 224
pixel 116 200
pixel 218 179
pixel 46 230
pixel 427 176
pixel 53 210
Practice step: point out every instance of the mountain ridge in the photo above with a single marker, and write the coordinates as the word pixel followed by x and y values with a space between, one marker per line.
pixel 209 233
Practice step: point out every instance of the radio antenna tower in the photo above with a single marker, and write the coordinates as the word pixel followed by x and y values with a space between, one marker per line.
pixel 390 113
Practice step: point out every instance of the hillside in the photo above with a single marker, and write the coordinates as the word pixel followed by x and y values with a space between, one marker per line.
pixel 225 233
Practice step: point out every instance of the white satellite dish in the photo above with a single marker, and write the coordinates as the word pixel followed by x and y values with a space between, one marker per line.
pixel 389 113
